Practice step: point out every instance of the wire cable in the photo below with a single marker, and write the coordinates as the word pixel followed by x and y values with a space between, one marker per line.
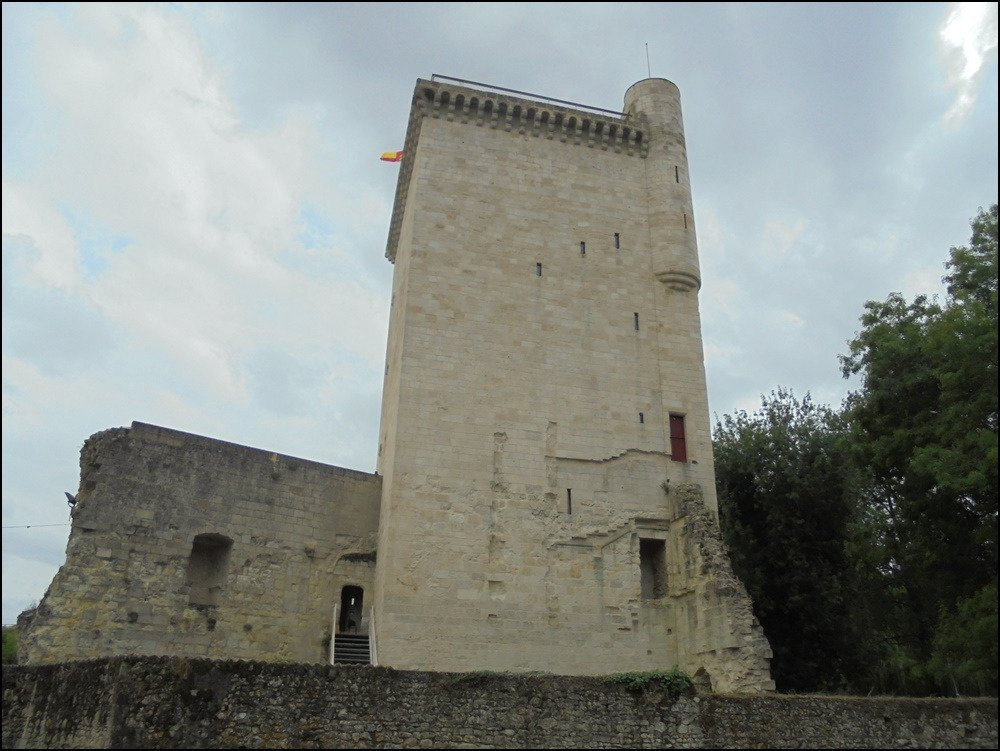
pixel 29 526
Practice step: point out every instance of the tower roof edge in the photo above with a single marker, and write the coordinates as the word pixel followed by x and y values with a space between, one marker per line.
pixel 453 98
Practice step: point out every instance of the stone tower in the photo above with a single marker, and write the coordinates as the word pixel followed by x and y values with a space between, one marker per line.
pixel 548 498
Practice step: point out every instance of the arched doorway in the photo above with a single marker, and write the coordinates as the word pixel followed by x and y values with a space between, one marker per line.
pixel 351 599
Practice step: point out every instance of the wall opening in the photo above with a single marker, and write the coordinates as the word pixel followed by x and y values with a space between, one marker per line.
pixel 618 241
pixel 635 320
pixel 351 602
pixel 206 570
pixel 702 681
pixel 678 443
pixel 685 220
pixel 583 248
pixel 642 418
pixel 569 500
pixel 653 568
pixel 538 269
pixel 677 174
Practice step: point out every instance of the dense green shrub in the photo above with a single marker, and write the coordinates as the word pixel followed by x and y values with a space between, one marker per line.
pixel 674 682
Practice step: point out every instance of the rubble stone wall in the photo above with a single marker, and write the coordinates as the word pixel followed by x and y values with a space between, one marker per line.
pixel 279 536
pixel 191 703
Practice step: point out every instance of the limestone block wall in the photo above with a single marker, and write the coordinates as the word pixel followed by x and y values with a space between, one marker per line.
pixel 185 703
pixel 544 328
pixel 184 545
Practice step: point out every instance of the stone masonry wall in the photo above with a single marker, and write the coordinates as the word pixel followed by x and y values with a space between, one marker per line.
pixel 545 296
pixel 190 703
pixel 284 535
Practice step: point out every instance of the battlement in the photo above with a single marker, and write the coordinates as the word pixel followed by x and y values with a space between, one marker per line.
pixel 519 114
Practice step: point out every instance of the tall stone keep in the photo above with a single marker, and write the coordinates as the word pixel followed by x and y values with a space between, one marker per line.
pixel 548 498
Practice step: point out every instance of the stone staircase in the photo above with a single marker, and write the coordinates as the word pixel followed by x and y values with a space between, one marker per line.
pixel 351 649
pixel 598 538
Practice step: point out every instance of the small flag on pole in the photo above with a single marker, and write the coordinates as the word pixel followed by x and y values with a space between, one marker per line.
pixel 392 156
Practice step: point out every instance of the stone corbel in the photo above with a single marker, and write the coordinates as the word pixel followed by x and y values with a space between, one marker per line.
pixel 680 281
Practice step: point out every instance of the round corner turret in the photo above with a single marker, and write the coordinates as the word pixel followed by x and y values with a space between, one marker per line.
pixel 656 104
pixel 657 101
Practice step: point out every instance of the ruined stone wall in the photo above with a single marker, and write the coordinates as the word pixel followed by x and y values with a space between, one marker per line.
pixel 520 479
pixel 184 545
pixel 184 703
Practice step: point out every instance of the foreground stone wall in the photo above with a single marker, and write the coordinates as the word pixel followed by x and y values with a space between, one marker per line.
pixel 280 537
pixel 177 703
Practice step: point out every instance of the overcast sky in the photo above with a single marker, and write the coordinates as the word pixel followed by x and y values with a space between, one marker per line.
pixel 194 214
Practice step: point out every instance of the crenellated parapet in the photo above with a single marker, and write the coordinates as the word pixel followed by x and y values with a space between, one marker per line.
pixel 521 116
pixel 527 117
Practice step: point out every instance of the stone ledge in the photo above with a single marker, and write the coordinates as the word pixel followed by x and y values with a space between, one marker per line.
pixel 150 433
pixel 681 281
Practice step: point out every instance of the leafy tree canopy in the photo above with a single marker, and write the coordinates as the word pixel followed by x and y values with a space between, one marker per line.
pixel 784 500
pixel 868 537
pixel 925 422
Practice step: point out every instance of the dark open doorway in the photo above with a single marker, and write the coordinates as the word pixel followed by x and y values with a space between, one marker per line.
pixel 351 598
pixel 653 568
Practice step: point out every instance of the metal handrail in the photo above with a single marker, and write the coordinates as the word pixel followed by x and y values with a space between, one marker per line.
pixel 372 648
pixel 333 633
pixel 490 86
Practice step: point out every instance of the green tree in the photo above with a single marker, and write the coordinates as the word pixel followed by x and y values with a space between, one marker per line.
pixel 924 427
pixel 785 487
pixel 965 645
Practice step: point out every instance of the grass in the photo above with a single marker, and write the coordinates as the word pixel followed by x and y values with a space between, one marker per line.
pixel 9 645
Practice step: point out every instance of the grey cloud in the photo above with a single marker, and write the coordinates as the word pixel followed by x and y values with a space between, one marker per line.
pixel 283 383
pixel 57 331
